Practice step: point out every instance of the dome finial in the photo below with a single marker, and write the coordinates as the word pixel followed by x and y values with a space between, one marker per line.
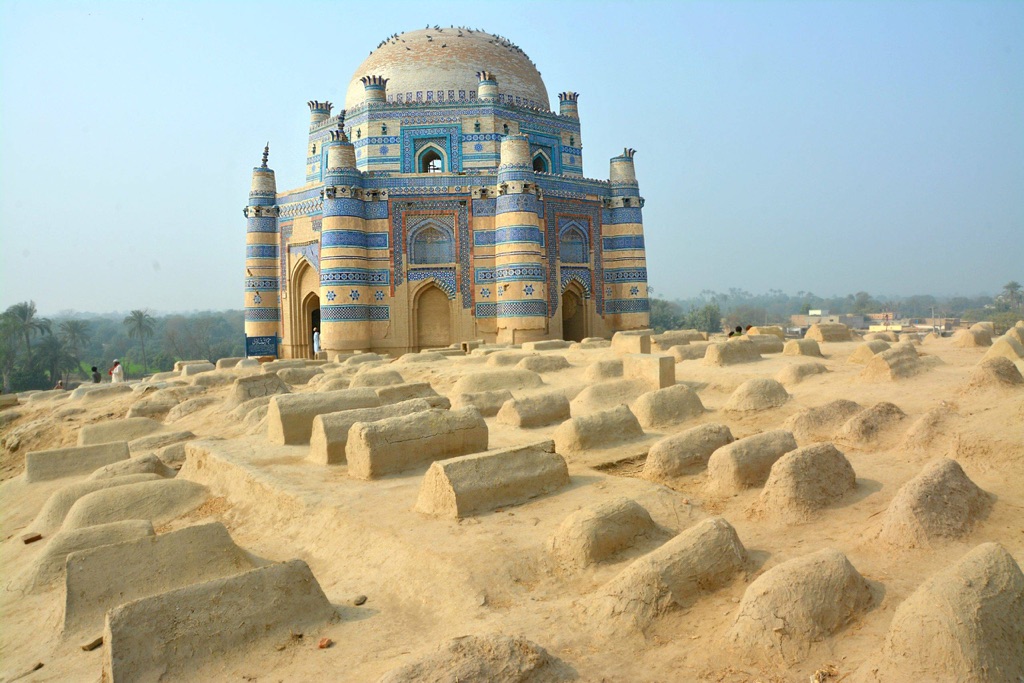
pixel 266 154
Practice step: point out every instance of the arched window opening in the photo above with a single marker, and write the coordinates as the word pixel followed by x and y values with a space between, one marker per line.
pixel 431 162
pixel 432 245
pixel 540 164
pixel 573 247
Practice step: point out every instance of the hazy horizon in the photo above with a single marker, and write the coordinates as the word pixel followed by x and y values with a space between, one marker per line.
pixel 827 146
pixel 878 296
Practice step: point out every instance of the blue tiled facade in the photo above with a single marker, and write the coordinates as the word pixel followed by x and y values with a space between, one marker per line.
pixel 355 220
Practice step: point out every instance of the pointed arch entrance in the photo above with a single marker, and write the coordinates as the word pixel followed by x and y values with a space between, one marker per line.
pixel 311 319
pixel 574 314
pixel 432 313
pixel 303 309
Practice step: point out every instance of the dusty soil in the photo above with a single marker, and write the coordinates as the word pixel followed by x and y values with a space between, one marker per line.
pixel 429 580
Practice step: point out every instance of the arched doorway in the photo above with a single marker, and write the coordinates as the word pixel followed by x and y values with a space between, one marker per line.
pixel 574 327
pixel 303 305
pixel 433 318
pixel 311 320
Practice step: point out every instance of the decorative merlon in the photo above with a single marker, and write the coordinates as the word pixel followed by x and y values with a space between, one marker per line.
pixel 374 82
pixel 568 96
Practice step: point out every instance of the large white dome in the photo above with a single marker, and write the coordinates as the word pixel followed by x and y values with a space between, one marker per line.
pixel 448 60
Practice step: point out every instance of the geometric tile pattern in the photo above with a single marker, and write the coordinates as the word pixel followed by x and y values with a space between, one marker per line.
pixel 353 312
pixel 261 224
pixel 354 239
pixel 442 277
pixel 613 306
pixel 261 251
pixel 344 206
pixel 519 271
pixel 625 275
pixel 519 202
pixel 262 315
pixel 626 214
pixel 354 276
pixel 448 212
pixel 518 233
pixel 262 284
pixel 621 242
pixel 522 309
pixel 310 251
pixel 561 215
pixel 444 137
pixel 483 238
pixel 483 207
pixel 576 274
pixel 376 210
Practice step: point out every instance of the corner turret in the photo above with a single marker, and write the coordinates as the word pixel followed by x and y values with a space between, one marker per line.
pixel 487 90
pixel 376 89
pixel 567 104
pixel 319 111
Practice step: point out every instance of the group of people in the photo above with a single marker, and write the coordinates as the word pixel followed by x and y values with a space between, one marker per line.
pixel 739 331
pixel 116 373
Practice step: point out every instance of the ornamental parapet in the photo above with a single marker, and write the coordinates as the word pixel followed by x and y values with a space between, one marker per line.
pixel 261 211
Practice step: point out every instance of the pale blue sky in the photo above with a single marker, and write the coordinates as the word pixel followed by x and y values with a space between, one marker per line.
pixel 820 146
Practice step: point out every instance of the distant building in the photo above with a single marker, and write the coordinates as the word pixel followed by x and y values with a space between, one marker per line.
pixel 882 317
pixel 855 322
pixel 446 202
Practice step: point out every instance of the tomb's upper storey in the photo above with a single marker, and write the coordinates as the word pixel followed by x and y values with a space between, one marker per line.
pixel 441 64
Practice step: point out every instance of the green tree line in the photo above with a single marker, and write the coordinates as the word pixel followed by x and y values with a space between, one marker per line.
pixel 36 352
pixel 712 311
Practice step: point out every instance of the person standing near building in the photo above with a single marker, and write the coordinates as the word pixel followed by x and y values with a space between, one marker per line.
pixel 116 372
pixel 316 342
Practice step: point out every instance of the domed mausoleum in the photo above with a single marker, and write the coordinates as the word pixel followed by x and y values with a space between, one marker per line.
pixel 446 202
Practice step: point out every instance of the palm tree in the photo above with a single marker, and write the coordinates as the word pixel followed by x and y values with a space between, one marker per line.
pixel 8 354
pixel 1012 291
pixel 55 356
pixel 26 324
pixel 75 335
pixel 140 326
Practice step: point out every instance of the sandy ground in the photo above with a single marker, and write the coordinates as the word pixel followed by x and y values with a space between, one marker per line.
pixel 429 580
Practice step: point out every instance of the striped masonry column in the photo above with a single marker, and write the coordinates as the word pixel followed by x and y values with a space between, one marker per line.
pixel 262 280
pixel 625 265
pixel 345 287
pixel 519 270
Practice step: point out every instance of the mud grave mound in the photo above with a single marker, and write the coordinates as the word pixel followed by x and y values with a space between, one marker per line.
pixel 698 561
pixel 871 425
pixel 997 372
pixel 497 658
pixel 797 603
pixel 1006 347
pixel 821 422
pixel 929 429
pixel 686 452
pixel 794 374
pixel 969 339
pixel 965 623
pixel 804 481
pixel 757 394
pixel 939 503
